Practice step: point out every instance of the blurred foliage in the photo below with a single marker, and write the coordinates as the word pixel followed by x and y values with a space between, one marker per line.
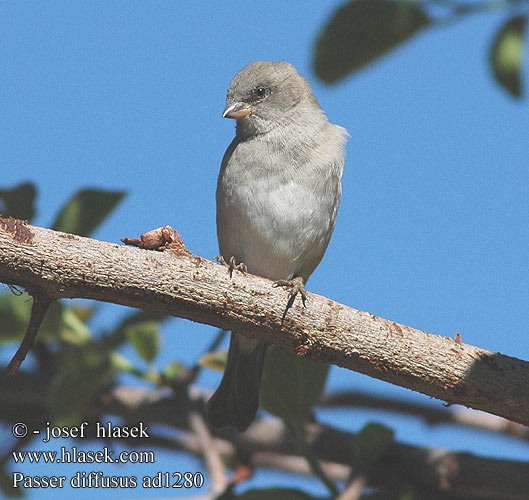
pixel 145 338
pixel 215 360
pixel 14 315
pixel 291 385
pixel 276 494
pixel 82 365
pixel 371 444
pixel 506 54
pixel 361 31
pixel 85 210
pixel 18 202
pixel 6 486
pixel 406 492
pixel 81 373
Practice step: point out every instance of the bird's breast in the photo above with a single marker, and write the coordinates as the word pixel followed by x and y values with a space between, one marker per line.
pixel 275 218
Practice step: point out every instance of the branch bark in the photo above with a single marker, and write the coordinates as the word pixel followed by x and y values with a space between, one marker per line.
pixel 178 283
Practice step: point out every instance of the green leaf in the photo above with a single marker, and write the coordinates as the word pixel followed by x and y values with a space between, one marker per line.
pixel 291 384
pixel 370 444
pixel 52 324
pixel 18 202
pixel 406 492
pixel 81 373
pixel 172 372
pixel 276 494
pixel 215 360
pixel 84 313
pixel 144 337
pixel 74 329
pixel 85 210
pixel 506 54
pixel 6 486
pixel 137 317
pixel 121 363
pixel 119 334
pixel 361 31
pixel 15 312
pixel 14 316
pixel 58 322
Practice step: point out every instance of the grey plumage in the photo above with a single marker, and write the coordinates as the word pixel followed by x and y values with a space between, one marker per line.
pixel 277 196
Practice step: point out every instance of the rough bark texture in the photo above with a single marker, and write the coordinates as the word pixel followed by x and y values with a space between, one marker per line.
pixel 57 265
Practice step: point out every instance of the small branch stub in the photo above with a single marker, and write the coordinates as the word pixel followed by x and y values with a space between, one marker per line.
pixel 160 239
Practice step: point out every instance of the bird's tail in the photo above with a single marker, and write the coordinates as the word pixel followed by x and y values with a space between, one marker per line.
pixel 235 402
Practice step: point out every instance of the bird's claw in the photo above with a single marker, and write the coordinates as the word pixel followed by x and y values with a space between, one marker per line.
pixel 295 286
pixel 231 264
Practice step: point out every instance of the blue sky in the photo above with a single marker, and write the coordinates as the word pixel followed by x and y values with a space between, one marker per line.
pixel 433 227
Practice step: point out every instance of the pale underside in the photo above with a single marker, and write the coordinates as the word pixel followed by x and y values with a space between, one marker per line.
pixel 274 217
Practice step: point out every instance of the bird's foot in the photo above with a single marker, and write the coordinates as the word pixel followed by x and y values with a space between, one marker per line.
pixel 296 286
pixel 231 264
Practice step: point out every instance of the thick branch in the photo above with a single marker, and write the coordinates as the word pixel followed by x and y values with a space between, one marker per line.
pixel 181 284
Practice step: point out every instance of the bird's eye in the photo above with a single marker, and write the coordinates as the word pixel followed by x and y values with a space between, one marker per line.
pixel 260 91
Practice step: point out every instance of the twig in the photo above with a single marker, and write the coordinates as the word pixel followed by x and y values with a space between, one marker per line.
pixel 354 489
pixel 38 311
pixel 212 459
pixel 431 414
pixel 316 467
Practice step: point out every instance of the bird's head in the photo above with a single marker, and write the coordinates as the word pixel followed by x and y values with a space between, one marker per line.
pixel 264 94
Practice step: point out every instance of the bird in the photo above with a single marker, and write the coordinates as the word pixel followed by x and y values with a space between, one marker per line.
pixel 277 196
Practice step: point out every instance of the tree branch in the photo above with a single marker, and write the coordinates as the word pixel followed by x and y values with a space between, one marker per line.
pixel 211 456
pixel 432 415
pixel 38 311
pixel 178 283
pixel 269 443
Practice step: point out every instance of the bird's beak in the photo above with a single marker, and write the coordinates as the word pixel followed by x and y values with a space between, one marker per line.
pixel 237 110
